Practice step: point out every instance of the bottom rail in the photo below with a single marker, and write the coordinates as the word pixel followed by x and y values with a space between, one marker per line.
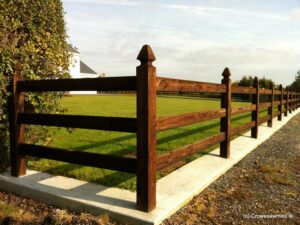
pixel 176 155
pixel 83 158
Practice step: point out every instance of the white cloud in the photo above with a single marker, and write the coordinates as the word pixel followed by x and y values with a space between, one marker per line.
pixel 192 42
pixel 295 13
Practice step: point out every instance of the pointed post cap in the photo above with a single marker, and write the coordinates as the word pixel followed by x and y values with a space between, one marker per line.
pixel 226 73
pixel 146 55
pixel 280 86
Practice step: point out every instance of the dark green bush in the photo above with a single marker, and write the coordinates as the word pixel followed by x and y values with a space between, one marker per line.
pixel 34 34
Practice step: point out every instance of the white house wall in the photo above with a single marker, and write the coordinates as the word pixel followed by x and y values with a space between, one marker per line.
pixel 75 74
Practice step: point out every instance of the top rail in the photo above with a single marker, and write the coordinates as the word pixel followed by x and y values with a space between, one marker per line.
pixel 84 84
pixel 169 84
pixel 242 90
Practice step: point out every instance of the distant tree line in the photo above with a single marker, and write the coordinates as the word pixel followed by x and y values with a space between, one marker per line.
pixel 296 84
pixel 247 81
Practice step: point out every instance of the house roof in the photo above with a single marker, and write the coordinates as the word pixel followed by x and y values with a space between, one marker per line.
pixel 73 50
pixel 86 69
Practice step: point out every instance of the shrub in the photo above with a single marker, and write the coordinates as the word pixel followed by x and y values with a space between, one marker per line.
pixel 34 34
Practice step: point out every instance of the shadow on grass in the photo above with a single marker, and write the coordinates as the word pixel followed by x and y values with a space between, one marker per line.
pixel 116 178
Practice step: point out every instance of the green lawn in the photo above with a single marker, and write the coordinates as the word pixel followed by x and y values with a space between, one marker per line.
pixel 117 143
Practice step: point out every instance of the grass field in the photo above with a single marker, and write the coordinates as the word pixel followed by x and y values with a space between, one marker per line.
pixel 121 144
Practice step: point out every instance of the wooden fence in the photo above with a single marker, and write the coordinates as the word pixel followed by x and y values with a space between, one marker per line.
pixel 145 125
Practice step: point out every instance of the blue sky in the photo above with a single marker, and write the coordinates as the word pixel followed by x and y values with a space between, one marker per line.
pixel 191 39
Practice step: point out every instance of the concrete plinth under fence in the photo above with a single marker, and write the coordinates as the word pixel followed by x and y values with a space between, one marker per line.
pixel 173 190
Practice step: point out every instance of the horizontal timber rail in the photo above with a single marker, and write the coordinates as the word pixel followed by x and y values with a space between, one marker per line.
pixel 176 155
pixel 165 123
pixel 243 90
pixel 82 158
pixel 277 101
pixel 75 121
pixel 176 85
pixel 243 109
pixel 240 129
pixel 83 84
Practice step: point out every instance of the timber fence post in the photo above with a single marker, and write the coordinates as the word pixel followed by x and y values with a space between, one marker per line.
pixel 226 121
pixel 255 113
pixel 17 136
pixel 270 109
pixel 280 106
pixel 290 100
pixel 146 133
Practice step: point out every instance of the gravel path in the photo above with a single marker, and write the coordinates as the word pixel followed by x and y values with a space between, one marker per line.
pixel 266 183
pixel 263 188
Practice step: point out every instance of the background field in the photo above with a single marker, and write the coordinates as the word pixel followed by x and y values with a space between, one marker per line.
pixel 117 143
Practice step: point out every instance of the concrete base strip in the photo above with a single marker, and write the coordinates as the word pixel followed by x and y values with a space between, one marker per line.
pixel 173 190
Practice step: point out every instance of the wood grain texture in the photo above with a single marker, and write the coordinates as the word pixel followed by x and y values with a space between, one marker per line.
pixel 226 121
pixel 176 155
pixel 76 121
pixel 243 109
pixel 83 84
pixel 82 158
pixel 17 132
pixel 270 109
pixel 176 85
pixel 169 122
pixel 243 90
pixel 280 106
pixel 242 128
pixel 255 113
pixel 146 132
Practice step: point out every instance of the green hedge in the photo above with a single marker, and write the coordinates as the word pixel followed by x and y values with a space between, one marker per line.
pixel 34 34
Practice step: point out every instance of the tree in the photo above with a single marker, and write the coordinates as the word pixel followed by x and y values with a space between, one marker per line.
pixel 32 33
pixel 265 83
pixel 296 84
pixel 246 81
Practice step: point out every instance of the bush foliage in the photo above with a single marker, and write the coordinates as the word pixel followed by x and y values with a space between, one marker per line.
pixel 296 84
pixel 34 34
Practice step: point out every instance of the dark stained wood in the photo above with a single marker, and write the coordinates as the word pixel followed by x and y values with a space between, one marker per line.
pixel 270 109
pixel 277 92
pixel 82 158
pixel 84 84
pixel 146 133
pixel 264 105
pixel 290 101
pixel 243 109
pixel 75 121
pixel 226 121
pixel 169 122
pixel 240 129
pixel 294 102
pixel 176 155
pixel 275 114
pixel 243 90
pixel 265 91
pixel 276 103
pixel 17 135
pixel 286 103
pixel 280 106
pixel 176 85
pixel 255 113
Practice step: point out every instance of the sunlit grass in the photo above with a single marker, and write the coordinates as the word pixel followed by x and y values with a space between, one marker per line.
pixel 123 144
